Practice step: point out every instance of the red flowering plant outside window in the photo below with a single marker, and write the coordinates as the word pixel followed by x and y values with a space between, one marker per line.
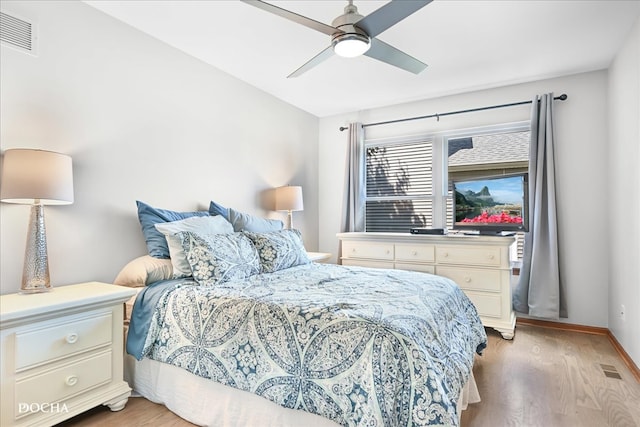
pixel 501 218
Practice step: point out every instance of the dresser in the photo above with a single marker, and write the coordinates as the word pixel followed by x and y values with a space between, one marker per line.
pixel 62 353
pixel 480 265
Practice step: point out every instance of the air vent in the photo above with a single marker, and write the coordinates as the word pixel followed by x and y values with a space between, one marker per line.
pixel 17 33
pixel 610 371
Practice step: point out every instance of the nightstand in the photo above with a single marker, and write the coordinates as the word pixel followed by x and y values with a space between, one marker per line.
pixel 62 353
pixel 319 256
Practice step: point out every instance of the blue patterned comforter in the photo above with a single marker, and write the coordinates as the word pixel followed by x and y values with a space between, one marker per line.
pixel 358 346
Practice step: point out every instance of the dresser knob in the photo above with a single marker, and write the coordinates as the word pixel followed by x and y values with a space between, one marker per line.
pixel 446 254
pixel 467 279
pixel 414 253
pixel 71 380
pixel 491 256
pixel 71 338
pixel 388 251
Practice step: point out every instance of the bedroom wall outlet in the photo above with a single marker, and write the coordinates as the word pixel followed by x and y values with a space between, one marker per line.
pixel 622 311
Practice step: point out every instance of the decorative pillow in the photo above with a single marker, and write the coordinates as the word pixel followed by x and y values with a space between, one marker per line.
pixel 279 249
pixel 245 222
pixel 199 225
pixel 149 216
pixel 217 209
pixel 217 258
pixel 144 270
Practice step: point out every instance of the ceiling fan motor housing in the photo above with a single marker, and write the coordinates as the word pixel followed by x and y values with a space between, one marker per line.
pixel 348 30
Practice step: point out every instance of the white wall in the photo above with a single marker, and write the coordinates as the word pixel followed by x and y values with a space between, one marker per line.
pixel 624 194
pixel 141 120
pixel 581 153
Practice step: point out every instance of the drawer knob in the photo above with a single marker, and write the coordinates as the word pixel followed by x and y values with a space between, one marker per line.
pixel 467 279
pixel 353 250
pixel 491 256
pixel 414 253
pixel 71 380
pixel 446 254
pixel 388 251
pixel 71 338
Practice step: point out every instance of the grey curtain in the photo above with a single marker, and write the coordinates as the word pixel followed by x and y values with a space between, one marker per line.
pixel 539 290
pixel 352 218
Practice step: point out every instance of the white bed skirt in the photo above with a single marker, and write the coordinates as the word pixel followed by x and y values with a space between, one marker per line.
pixel 207 403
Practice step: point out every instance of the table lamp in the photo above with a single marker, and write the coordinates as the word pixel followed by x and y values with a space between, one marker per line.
pixel 289 198
pixel 36 178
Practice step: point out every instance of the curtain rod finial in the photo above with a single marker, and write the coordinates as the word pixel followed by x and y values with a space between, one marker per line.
pixel 563 97
pixel 342 128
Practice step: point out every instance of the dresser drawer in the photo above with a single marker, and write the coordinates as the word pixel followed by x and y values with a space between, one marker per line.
pixel 469 255
pixel 50 343
pixel 365 263
pixel 367 250
pixel 424 268
pixel 421 253
pixel 473 278
pixel 58 384
pixel 487 305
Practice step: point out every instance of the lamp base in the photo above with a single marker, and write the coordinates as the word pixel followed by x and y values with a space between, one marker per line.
pixel 35 274
pixel 290 219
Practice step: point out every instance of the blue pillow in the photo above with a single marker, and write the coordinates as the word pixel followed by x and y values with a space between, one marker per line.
pixel 218 258
pixel 279 249
pixel 245 222
pixel 217 209
pixel 149 216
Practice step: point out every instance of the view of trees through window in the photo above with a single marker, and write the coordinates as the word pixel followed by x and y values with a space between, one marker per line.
pixel 399 187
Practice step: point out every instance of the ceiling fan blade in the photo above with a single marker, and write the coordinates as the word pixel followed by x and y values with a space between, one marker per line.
pixel 389 14
pixel 299 19
pixel 386 53
pixel 325 54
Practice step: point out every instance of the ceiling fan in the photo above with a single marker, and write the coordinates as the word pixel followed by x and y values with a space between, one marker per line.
pixel 353 34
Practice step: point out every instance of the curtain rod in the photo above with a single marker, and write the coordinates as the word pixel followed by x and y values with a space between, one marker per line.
pixel 562 97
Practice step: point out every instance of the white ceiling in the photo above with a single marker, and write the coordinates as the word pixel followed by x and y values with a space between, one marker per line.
pixel 468 45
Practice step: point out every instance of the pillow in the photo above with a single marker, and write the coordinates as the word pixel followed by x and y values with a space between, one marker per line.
pixel 279 249
pixel 144 270
pixel 217 258
pixel 149 216
pixel 245 222
pixel 197 224
pixel 217 209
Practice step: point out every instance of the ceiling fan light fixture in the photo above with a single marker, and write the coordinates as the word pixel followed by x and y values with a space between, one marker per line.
pixel 350 45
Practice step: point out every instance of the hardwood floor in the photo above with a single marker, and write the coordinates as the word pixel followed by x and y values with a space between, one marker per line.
pixel 543 377
pixel 552 378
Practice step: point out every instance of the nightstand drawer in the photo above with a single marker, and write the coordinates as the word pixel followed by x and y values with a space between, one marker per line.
pixel 60 383
pixel 50 343
pixel 367 250
pixel 473 278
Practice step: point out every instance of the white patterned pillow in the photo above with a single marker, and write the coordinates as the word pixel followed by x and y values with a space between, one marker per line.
pixel 198 224
pixel 279 249
pixel 217 258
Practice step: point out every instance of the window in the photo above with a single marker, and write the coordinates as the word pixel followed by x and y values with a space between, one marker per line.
pixel 408 179
pixel 399 186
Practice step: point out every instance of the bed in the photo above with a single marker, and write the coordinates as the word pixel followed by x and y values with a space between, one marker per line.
pixel 259 335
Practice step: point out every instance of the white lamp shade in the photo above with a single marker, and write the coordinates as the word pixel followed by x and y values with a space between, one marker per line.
pixel 289 198
pixel 36 176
